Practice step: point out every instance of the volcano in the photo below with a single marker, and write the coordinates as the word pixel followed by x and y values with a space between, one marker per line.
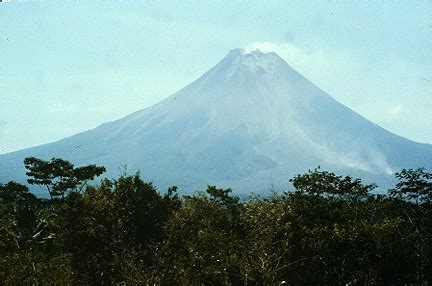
pixel 249 123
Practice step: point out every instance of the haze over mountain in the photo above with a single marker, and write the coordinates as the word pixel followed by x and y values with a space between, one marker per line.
pixel 250 123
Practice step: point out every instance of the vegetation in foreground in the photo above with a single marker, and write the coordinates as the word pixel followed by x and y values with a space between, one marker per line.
pixel 330 230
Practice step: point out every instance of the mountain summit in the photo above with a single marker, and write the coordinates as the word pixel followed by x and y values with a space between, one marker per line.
pixel 249 123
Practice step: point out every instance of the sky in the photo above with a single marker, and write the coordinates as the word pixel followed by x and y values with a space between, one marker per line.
pixel 69 66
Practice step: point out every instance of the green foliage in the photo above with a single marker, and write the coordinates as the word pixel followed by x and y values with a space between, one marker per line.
pixel 202 243
pixel 329 185
pixel 18 219
pixel 413 185
pixel 59 176
pixel 414 194
pixel 329 230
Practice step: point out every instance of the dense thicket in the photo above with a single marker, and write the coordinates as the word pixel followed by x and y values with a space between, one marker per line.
pixel 328 230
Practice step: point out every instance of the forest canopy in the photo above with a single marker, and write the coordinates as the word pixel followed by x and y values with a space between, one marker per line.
pixel 327 230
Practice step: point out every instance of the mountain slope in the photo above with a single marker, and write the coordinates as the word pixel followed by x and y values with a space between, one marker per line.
pixel 249 123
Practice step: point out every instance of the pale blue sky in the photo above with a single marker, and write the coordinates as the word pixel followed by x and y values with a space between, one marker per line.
pixel 68 66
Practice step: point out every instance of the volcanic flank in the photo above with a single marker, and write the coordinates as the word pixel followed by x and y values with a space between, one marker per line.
pixel 250 123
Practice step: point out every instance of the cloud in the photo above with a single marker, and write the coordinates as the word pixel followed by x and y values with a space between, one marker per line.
pixel 396 110
pixel 265 47
pixel 325 68
pixel 282 49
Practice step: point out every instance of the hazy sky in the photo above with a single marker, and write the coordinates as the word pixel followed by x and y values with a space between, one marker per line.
pixel 68 66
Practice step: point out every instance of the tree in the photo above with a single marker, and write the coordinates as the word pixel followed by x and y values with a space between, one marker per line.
pixel 414 188
pixel 60 176
pixel 413 185
pixel 327 184
pixel 18 219
pixel 268 247
pixel 86 231
pixel 141 213
pixel 27 254
pixel 329 230
pixel 203 242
